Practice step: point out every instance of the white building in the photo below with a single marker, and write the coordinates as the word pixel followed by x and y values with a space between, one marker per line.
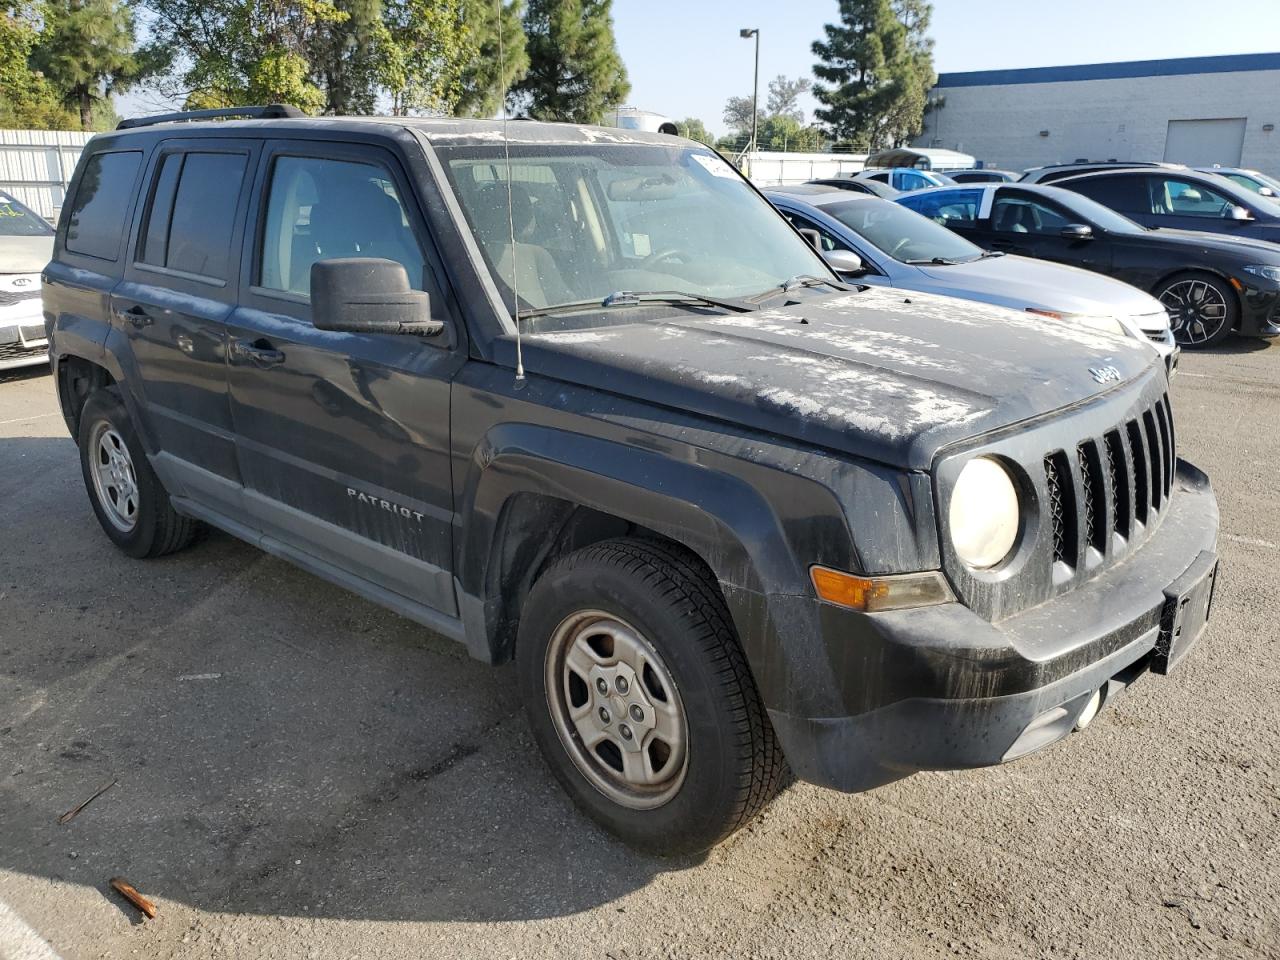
pixel 1194 110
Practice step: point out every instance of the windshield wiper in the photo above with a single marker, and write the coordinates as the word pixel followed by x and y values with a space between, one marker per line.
pixel 991 253
pixel 800 280
pixel 936 262
pixel 633 298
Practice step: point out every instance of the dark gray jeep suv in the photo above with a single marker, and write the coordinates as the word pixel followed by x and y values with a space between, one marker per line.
pixel 580 397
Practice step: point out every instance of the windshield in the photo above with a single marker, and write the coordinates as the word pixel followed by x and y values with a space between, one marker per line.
pixel 901 233
pixel 17 221
pixel 591 220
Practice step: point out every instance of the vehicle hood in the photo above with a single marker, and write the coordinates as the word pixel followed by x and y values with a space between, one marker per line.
pixel 1217 242
pixel 25 254
pixel 873 373
pixel 1021 282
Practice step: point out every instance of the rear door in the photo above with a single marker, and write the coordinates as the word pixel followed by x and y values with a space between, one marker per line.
pixel 343 438
pixel 178 291
pixel 1032 226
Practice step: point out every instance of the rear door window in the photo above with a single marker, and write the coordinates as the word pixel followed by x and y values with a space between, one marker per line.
pixel 192 216
pixel 95 222
pixel 1013 213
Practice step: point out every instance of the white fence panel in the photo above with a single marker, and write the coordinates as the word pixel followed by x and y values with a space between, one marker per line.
pixel 36 166
pixel 774 169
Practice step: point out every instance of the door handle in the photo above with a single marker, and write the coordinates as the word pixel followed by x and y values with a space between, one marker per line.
pixel 259 351
pixel 137 316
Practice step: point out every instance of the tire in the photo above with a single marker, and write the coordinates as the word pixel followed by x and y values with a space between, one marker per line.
pixel 130 502
pixel 712 773
pixel 1203 309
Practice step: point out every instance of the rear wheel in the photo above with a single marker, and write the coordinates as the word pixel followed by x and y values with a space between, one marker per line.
pixel 640 697
pixel 127 496
pixel 1203 308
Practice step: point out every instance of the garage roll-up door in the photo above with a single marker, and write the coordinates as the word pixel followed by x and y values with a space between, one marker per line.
pixel 1202 143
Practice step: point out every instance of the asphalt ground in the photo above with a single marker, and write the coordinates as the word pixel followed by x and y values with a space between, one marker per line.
pixel 301 774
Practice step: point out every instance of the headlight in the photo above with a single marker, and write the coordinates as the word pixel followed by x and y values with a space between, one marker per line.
pixel 984 513
pixel 1262 270
pixel 1103 324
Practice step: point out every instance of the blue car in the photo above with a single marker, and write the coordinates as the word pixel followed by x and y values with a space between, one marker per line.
pixel 906 178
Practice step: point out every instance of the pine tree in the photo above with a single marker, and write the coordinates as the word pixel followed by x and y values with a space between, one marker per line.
pixel 874 71
pixel 87 51
pixel 493 66
pixel 575 71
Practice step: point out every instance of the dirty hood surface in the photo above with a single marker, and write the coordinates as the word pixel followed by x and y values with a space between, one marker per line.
pixel 887 375
pixel 25 254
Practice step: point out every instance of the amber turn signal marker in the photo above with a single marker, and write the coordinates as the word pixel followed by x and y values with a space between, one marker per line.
pixel 872 594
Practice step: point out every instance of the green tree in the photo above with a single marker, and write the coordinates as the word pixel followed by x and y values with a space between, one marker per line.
pixel 430 46
pixel 575 71
pixel 737 114
pixel 785 132
pixel 784 97
pixel 695 129
pixel 347 56
pixel 874 70
pixel 27 99
pixel 491 66
pixel 87 50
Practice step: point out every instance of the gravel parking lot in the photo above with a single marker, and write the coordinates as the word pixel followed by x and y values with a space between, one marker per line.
pixel 301 774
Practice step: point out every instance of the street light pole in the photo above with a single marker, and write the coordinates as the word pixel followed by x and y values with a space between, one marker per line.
pixel 746 34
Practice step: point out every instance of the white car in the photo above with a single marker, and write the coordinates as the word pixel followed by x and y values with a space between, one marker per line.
pixel 26 244
pixel 896 247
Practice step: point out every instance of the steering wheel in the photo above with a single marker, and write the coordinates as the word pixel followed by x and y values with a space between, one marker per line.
pixel 666 253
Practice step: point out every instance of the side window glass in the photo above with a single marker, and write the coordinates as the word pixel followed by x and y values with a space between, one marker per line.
pixel 193 209
pixel 1016 215
pixel 951 209
pixel 1182 198
pixel 1126 194
pixel 320 209
pixel 95 222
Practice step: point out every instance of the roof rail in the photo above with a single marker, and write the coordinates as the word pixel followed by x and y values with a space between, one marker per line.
pixel 272 111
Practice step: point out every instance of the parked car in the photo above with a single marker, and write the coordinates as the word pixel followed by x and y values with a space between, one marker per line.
pixel 1258 183
pixel 982 175
pixel 589 402
pixel 1051 172
pixel 904 179
pixel 26 243
pixel 1182 200
pixel 1210 284
pixel 874 188
pixel 901 249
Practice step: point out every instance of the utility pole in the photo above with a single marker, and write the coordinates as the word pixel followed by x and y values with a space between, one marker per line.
pixel 747 33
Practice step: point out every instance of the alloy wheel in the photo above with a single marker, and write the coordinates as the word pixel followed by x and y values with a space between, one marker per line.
pixel 114 480
pixel 1197 310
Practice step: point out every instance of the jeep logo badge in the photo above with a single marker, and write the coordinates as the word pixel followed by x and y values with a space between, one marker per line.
pixel 1105 374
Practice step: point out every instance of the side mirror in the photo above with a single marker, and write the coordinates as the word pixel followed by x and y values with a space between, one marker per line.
pixel 1239 213
pixel 368 295
pixel 845 262
pixel 1076 231
pixel 813 236
pixel 1266 192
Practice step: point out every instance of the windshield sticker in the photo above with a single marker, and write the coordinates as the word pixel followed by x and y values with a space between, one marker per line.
pixel 640 244
pixel 714 166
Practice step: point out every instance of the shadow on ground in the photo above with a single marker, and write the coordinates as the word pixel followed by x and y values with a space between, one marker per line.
pixel 280 746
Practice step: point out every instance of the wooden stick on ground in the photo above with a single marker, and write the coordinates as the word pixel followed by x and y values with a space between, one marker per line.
pixel 126 890
pixel 75 811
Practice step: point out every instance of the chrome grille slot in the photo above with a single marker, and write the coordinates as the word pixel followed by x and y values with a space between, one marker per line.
pixel 1155 463
pixel 1166 444
pixel 1061 507
pixel 1094 499
pixel 1121 495
pixel 1138 455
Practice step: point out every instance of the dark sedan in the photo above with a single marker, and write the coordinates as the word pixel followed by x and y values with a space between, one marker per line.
pixel 1183 200
pixel 1210 284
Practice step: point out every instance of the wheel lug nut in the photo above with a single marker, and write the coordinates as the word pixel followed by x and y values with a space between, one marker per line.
pixel 623 685
pixel 604 715
pixel 602 686
pixel 624 731
pixel 637 714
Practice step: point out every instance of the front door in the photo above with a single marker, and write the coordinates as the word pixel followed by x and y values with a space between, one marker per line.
pixel 178 290
pixel 343 438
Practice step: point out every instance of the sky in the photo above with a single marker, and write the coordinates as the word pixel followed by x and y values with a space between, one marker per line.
pixel 685 58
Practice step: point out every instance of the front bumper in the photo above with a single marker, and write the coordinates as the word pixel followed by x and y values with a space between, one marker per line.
pixel 1259 313
pixel 23 341
pixel 972 693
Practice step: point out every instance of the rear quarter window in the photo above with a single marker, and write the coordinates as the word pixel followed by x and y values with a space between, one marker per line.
pixel 96 219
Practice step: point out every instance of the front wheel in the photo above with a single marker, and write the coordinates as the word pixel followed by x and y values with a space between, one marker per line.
pixel 640 698
pixel 1203 308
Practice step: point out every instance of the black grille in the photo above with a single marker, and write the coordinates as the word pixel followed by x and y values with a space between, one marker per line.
pixel 1086 505
pixel 16 351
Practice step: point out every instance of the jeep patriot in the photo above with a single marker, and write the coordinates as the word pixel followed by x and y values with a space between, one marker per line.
pixel 581 398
